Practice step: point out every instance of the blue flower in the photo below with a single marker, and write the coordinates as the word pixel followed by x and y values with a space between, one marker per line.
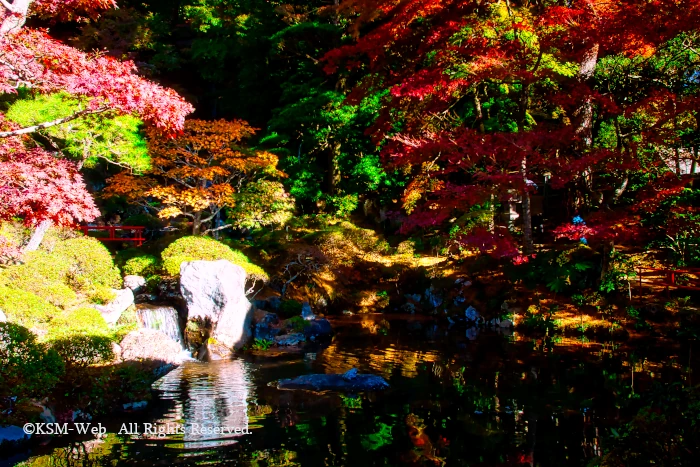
pixel 578 220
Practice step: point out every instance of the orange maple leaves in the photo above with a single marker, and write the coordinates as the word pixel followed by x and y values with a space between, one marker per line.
pixel 195 175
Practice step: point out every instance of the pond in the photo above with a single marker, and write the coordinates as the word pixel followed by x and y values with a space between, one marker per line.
pixel 456 398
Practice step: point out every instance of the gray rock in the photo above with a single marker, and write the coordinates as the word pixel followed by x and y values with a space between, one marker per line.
pixel 135 405
pixel 265 325
pixel 433 299
pixel 3 318
pixel 471 314
pixel 506 323
pixel 415 297
pixel 318 328
pixel 214 291
pixel 290 339
pixel 348 313
pixel 135 283
pixel 149 344
pixel 306 312
pixel 351 381
pixel 114 309
pixel 80 416
pixel 472 333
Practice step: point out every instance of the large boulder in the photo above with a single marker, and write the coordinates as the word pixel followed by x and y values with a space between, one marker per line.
pixel 113 310
pixel 149 344
pixel 214 292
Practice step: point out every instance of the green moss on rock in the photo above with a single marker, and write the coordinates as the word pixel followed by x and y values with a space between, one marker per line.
pixel 207 249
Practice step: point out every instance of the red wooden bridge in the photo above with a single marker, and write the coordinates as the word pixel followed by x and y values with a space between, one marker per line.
pixel 688 278
pixel 134 232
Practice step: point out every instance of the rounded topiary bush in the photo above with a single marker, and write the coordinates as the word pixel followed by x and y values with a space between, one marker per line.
pixel 208 249
pixel 144 265
pixel 43 273
pixel 81 320
pixel 25 308
pixel 83 349
pixel 92 262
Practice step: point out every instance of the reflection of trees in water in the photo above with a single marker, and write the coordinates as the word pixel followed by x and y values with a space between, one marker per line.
pixel 380 361
pixel 214 396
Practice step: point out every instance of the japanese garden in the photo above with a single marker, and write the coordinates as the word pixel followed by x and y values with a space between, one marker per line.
pixel 349 232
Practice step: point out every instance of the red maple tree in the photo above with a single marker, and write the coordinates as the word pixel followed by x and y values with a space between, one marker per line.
pixel 538 60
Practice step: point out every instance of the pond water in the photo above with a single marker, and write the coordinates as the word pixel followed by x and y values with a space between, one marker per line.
pixel 455 399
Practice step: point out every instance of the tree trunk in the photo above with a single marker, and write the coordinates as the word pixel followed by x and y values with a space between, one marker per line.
pixel 14 19
pixel 528 245
pixel 333 174
pixel 584 129
pixel 197 224
pixel 37 236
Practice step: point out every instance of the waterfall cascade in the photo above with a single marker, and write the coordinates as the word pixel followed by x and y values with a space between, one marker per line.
pixel 162 318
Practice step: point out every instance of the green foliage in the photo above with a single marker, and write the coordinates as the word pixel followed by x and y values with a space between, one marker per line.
pixel 261 203
pixel 80 320
pixel 665 431
pixel 144 220
pixel 571 270
pixel 27 368
pixel 342 206
pixel 297 323
pixel 91 263
pixel 81 350
pixel 261 344
pixel 620 272
pixel 144 265
pixel 204 248
pixel 90 138
pixel 538 319
pixel 25 308
pixel 289 309
pixel 45 274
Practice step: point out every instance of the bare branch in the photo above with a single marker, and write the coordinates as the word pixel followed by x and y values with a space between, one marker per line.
pixel 58 121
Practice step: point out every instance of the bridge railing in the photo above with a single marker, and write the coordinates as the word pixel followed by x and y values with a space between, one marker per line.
pixel 135 233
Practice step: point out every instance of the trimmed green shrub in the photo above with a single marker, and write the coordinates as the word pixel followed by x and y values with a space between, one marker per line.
pixel 92 263
pixel 144 265
pixel 27 367
pixel 205 248
pixel 84 319
pixel 25 308
pixel 101 295
pixel 81 350
pixel 45 274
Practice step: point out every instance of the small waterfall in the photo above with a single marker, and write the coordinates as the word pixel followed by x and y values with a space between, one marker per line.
pixel 161 318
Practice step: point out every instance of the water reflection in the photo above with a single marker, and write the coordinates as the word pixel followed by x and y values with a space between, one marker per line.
pixel 210 403
pixel 494 400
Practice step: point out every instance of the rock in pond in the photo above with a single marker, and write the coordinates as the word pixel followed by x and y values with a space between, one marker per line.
pixel 318 328
pixel 214 292
pixel 114 309
pixel 306 312
pixel 290 339
pixel 149 344
pixel 350 381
